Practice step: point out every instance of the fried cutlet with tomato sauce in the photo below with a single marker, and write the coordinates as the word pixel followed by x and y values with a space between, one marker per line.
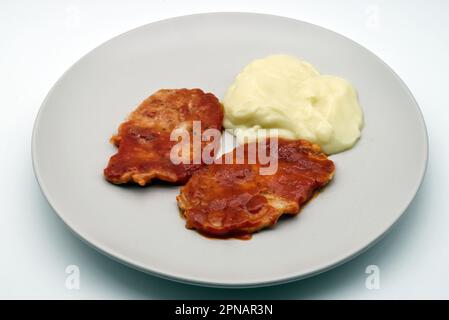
pixel 143 140
pixel 223 200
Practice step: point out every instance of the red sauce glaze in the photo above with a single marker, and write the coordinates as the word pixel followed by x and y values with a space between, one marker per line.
pixel 224 200
pixel 143 141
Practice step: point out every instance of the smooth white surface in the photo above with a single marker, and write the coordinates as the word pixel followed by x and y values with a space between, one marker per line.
pixel 39 43
pixel 373 184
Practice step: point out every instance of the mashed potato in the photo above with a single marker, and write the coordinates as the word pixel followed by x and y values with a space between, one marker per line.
pixel 284 93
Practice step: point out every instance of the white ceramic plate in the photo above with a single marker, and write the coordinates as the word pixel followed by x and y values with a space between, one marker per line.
pixel 373 185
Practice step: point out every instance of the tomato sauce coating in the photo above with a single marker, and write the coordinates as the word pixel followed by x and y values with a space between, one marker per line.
pixel 223 200
pixel 143 140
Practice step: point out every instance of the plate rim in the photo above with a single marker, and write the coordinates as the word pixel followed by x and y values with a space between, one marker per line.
pixel 111 253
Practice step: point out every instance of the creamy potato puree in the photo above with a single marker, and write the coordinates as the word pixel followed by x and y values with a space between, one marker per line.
pixel 284 93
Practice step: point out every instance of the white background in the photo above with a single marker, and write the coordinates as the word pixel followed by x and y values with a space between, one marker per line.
pixel 39 40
